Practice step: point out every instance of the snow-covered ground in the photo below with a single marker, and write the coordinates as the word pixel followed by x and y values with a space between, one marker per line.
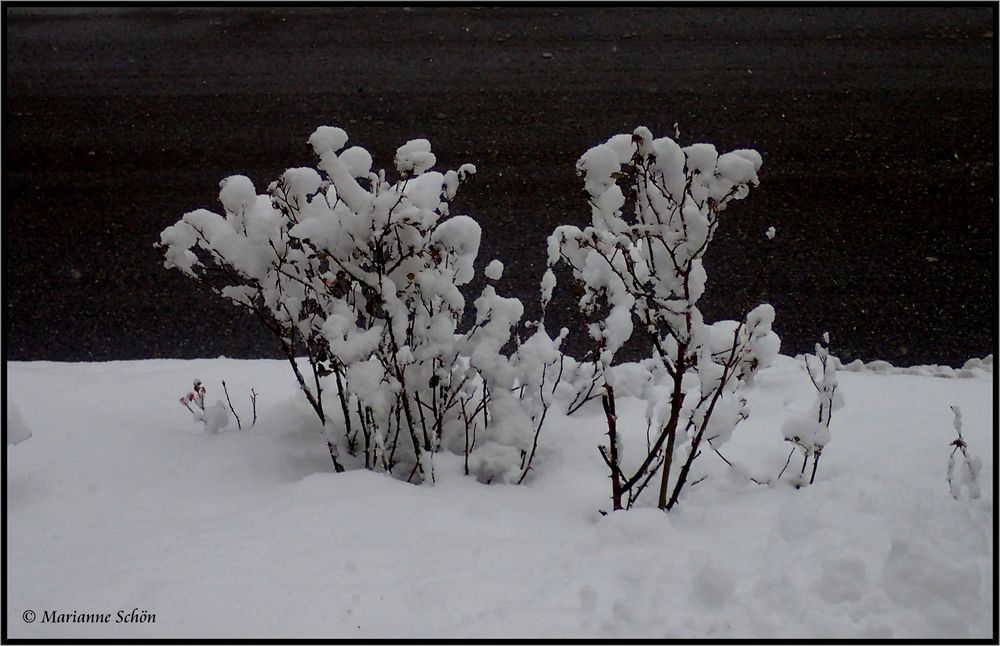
pixel 119 501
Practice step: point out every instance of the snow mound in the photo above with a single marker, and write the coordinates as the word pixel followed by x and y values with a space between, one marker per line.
pixel 968 369
pixel 17 429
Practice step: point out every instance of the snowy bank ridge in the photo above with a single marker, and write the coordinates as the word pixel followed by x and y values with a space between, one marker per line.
pixel 967 370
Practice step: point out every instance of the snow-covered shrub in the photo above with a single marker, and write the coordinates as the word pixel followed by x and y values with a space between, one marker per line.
pixel 362 274
pixel 966 475
pixel 810 431
pixel 655 207
pixel 215 418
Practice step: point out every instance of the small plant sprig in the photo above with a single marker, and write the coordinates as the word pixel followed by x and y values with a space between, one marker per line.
pixel 969 476
pixel 215 418
pixel 194 401
pixel 253 404
pixel 811 433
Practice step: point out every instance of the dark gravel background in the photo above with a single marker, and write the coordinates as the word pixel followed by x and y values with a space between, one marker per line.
pixel 877 126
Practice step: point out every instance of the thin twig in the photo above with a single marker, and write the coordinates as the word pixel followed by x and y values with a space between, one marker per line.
pixel 233 410
pixel 787 462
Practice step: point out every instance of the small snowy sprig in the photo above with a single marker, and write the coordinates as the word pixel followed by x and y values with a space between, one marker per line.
pixel 810 432
pixel 232 409
pixel 194 401
pixel 215 418
pixel 966 475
